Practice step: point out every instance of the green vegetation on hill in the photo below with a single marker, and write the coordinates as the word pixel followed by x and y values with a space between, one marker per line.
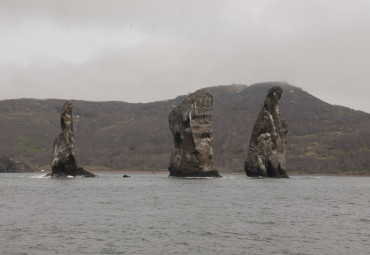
pixel 322 138
pixel 25 146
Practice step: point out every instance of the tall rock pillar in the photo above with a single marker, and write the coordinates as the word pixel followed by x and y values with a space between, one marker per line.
pixel 190 123
pixel 64 160
pixel 267 148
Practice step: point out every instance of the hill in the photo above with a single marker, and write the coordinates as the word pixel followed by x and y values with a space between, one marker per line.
pixel 322 138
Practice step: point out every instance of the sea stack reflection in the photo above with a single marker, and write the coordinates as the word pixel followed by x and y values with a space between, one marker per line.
pixel 64 160
pixel 190 123
pixel 267 148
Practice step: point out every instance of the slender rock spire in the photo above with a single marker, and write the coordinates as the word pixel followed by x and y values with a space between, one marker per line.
pixel 267 148
pixel 64 160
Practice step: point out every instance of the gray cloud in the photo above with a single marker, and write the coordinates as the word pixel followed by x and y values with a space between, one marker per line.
pixel 153 50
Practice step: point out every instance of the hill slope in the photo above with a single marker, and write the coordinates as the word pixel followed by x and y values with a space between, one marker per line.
pixel 322 138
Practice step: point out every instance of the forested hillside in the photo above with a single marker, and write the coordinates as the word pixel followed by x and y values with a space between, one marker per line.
pixel 322 138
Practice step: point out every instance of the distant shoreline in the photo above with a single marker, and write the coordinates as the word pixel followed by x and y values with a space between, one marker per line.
pixel 97 170
pixel 102 169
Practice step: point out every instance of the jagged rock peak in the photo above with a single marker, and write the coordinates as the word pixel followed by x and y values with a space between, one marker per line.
pixel 267 148
pixel 66 122
pixel 190 124
pixel 64 160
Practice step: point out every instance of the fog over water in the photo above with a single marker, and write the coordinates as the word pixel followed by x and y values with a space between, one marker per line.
pixel 142 51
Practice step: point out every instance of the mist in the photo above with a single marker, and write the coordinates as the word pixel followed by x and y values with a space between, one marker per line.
pixel 147 51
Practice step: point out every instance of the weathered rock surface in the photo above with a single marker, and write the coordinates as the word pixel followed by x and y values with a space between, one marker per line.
pixel 267 148
pixel 8 165
pixel 190 123
pixel 64 162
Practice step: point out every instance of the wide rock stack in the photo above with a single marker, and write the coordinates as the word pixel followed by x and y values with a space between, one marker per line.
pixel 190 123
pixel 64 162
pixel 267 148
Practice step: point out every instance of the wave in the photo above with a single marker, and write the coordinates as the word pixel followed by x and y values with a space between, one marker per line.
pixel 40 176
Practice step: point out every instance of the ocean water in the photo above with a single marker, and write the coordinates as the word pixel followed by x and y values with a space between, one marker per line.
pixel 157 214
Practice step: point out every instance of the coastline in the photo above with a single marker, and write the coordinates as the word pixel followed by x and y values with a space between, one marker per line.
pixel 102 169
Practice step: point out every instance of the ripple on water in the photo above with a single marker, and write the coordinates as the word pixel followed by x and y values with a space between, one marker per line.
pixel 154 214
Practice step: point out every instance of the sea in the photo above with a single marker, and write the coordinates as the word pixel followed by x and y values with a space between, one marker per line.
pixel 157 214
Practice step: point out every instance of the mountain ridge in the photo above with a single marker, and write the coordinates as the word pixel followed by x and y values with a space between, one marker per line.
pixel 322 138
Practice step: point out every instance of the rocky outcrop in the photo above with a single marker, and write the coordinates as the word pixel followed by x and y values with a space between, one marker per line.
pixel 64 162
pixel 190 123
pixel 8 165
pixel 267 148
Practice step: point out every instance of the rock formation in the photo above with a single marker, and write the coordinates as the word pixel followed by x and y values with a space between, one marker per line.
pixel 8 165
pixel 190 123
pixel 64 162
pixel 267 148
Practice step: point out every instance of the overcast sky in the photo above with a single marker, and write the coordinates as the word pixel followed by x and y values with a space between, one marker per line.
pixel 142 51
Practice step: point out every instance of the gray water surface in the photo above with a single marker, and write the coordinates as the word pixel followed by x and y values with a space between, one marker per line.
pixel 156 214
